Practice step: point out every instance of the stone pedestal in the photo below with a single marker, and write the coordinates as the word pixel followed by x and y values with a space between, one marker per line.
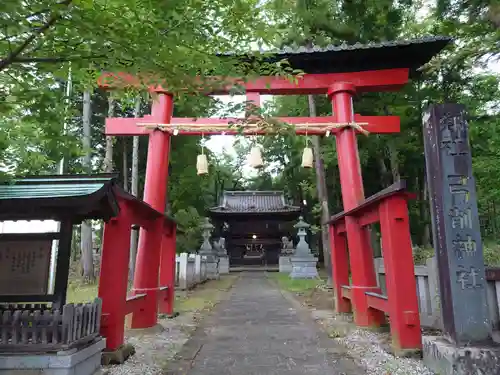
pixel 85 361
pixel 223 265
pixel 285 264
pixel 444 358
pixel 304 267
pixel 212 268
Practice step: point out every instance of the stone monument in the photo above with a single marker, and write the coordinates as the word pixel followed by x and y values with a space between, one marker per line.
pixel 303 262
pixel 463 348
pixel 208 252
pixel 286 254
pixel 220 247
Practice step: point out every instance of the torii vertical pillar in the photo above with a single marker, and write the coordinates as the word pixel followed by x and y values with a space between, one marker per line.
pixel 360 251
pixel 155 192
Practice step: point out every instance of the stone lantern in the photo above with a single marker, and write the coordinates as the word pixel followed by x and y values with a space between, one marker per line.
pixel 303 262
pixel 208 253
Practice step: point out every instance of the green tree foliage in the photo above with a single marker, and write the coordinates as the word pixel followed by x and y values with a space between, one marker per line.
pixel 454 76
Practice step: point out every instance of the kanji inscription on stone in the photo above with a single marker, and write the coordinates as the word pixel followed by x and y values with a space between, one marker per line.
pixel 456 230
pixel 24 267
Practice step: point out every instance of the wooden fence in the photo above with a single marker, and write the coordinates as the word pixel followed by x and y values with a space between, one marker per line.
pixel 191 269
pixel 428 292
pixel 36 328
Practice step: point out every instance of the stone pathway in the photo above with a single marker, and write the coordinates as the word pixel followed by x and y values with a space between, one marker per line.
pixel 257 331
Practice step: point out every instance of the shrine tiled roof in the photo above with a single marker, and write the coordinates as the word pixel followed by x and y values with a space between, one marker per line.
pixel 58 197
pixel 66 197
pixel 411 54
pixel 254 202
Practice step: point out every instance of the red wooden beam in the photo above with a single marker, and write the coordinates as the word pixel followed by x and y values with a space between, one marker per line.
pixel 346 291
pixel 377 302
pixel 127 126
pixel 365 81
pixel 135 303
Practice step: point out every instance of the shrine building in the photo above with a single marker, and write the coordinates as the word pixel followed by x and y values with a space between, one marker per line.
pixel 253 224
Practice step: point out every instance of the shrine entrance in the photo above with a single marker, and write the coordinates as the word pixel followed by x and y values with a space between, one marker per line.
pixel 253 224
pixel 341 73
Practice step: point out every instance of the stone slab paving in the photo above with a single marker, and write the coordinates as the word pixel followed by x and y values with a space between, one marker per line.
pixel 258 331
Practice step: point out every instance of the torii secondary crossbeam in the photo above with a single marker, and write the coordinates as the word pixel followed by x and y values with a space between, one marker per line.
pixel 210 126
pixel 340 73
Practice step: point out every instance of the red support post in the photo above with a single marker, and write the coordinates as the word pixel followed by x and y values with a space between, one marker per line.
pixel 360 251
pixel 340 268
pixel 399 273
pixel 114 278
pixel 155 193
pixel 167 270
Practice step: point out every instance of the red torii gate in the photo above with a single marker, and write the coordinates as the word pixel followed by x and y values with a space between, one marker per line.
pixel 340 78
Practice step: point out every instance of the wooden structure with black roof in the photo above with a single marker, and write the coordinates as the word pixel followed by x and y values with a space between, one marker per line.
pixel 25 258
pixel 253 223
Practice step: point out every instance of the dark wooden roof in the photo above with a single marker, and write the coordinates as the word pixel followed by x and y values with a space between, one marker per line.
pixel 253 202
pixel 66 197
pixel 357 57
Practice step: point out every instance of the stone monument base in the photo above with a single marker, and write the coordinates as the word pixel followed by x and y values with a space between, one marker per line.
pixel 304 267
pixel 444 358
pixel 285 265
pixel 213 269
pixel 223 265
pixel 85 361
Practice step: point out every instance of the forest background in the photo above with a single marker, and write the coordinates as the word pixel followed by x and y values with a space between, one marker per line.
pixel 52 111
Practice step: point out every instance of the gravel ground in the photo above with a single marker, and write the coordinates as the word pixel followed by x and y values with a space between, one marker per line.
pixel 366 348
pixel 154 350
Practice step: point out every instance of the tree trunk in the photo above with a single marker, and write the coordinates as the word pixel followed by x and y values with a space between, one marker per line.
pixel 394 161
pixel 134 190
pixel 322 194
pixel 125 163
pixel 108 158
pixel 383 171
pixel 86 231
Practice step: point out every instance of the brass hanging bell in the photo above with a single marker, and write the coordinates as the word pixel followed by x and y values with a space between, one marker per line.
pixel 307 158
pixel 255 158
pixel 202 165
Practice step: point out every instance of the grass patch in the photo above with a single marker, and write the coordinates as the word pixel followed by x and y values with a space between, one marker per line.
pixel 81 293
pixel 294 285
pixel 491 251
pixel 204 296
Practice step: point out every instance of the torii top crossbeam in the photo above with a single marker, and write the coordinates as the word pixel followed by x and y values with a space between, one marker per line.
pixel 375 67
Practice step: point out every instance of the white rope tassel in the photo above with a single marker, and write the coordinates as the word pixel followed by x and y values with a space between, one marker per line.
pixel 307 157
pixel 202 165
pixel 255 158
pixel 201 160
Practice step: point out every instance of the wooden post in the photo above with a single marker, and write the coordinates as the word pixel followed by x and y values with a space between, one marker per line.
pixel 113 278
pixel 63 261
pixel 400 274
pixel 455 222
pixel 360 251
pixel 340 269
pixel 183 268
pixel 167 270
pixel 155 192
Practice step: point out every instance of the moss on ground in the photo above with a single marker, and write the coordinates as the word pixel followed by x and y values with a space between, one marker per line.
pixel 295 285
pixel 204 296
pixel 81 293
pixel 200 298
